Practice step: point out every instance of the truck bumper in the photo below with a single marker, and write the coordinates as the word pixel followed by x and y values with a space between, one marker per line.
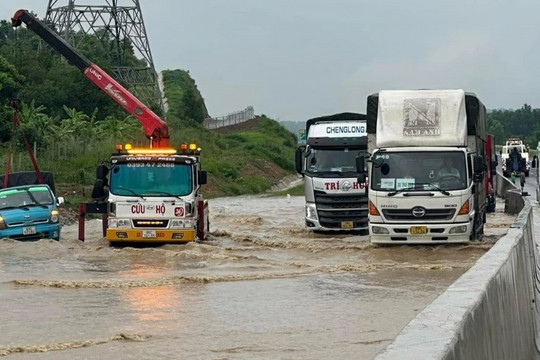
pixel 151 235
pixel 45 231
pixel 314 225
pixel 407 233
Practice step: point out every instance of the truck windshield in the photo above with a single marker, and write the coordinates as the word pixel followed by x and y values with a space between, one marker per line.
pixel 27 196
pixel 332 162
pixel 151 179
pixel 419 171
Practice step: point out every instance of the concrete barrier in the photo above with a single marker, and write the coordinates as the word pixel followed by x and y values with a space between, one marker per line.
pixel 504 184
pixel 511 193
pixel 491 312
pixel 513 202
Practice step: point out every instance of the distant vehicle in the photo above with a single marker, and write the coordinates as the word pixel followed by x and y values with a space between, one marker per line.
pixel 516 161
pixel 29 212
pixel 335 200
pixel 427 172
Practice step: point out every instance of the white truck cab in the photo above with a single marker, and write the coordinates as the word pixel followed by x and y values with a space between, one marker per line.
pixel 335 199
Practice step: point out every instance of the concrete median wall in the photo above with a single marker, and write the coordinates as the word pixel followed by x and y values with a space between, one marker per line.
pixel 491 312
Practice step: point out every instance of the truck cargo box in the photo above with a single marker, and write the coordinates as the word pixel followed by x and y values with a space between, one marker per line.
pixel 28 178
pixel 425 117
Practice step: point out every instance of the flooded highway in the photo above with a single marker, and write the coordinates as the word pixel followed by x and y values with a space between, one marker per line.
pixel 261 288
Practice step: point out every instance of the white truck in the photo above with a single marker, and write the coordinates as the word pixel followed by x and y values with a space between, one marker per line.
pixel 427 166
pixel 522 162
pixel 335 199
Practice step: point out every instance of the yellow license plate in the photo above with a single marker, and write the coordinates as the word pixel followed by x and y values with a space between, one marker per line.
pixel 418 230
pixel 347 224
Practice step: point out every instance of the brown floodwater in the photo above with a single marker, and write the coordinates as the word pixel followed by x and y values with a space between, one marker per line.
pixel 262 287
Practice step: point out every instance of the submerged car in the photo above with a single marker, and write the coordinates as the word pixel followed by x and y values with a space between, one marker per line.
pixel 29 212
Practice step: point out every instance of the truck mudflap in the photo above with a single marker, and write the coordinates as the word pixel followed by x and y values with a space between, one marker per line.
pixel 150 235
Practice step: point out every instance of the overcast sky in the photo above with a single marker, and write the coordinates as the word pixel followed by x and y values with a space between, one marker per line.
pixel 297 59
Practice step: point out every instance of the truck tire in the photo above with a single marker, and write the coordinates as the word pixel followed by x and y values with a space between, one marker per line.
pixel 478 229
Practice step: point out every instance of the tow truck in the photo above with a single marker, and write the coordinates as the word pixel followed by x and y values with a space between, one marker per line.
pixel 147 195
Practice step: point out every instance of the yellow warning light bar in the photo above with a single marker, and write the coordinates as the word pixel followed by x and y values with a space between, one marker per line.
pixel 128 147
pixel 165 151
pixel 192 146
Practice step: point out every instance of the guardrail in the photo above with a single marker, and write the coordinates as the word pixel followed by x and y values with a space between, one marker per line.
pixel 230 119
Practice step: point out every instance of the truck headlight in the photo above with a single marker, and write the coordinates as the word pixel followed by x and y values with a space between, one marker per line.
pixel 2 223
pixel 458 229
pixel 114 223
pixel 311 212
pixel 379 230
pixel 177 224
pixel 188 224
pixel 54 216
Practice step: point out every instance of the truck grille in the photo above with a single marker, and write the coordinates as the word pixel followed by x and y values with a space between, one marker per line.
pixel 28 223
pixel 142 223
pixel 407 214
pixel 332 209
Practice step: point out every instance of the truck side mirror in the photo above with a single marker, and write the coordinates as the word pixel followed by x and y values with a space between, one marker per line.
pixel 101 172
pixel 360 169
pixel 299 159
pixel 479 165
pixel 202 175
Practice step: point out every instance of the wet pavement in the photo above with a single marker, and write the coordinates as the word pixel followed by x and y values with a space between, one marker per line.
pixel 261 288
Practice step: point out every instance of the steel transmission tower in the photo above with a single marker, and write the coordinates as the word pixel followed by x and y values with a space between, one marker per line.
pixel 121 29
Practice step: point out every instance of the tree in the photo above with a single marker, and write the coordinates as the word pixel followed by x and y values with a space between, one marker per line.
pixel 10 84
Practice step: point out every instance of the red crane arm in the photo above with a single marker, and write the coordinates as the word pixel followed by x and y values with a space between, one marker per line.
pixel 154 127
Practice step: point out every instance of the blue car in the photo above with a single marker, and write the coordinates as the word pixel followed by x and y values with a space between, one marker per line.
pixel 29 212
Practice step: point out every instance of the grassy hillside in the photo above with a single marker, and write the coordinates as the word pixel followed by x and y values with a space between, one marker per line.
pixel 249 160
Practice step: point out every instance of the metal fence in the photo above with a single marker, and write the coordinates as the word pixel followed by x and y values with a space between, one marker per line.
pixel 230 119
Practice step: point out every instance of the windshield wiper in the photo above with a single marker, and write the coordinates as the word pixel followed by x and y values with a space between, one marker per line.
pixel 395 192
pixel 415 187
pixel 32 197
pixel 131 191
pixel 435 187
pixel 329 172
pixel 163 193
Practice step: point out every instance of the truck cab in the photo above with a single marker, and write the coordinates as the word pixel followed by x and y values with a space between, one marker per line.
pixel 29 213
pixel 154 195
pixel 514 163
pixel 335 199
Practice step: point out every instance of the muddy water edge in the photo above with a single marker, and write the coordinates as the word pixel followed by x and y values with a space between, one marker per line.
pixel 261 288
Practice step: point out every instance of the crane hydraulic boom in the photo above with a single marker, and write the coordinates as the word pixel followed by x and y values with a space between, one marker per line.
pixel 154 127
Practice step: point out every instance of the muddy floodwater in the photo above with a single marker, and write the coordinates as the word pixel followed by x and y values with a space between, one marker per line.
pixel 261 288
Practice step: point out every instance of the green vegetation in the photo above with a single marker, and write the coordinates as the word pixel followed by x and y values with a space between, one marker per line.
pixel 75 127
pixel 523 123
